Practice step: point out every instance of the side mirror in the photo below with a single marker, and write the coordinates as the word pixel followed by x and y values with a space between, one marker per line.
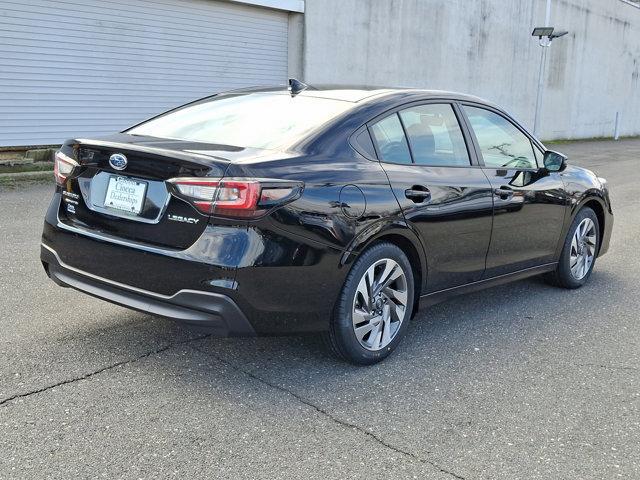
pixel 554 161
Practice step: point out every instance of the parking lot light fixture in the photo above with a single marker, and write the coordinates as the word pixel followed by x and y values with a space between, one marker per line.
pixel 545 36
pixel 542 32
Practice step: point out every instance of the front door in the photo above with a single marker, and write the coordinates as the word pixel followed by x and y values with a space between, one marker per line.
pixel 442 195
pixel 529 203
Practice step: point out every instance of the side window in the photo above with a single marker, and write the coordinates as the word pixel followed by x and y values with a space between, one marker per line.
pixel 390 140
pixel 502 144
pixel 435 135
pixel 364 144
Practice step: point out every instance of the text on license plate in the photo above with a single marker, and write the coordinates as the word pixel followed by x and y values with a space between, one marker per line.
pixel 125 194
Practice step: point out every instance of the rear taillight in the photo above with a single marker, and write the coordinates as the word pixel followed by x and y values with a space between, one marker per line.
pixel 236 197
pixel 63 165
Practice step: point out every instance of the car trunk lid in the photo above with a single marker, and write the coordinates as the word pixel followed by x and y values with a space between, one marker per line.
pixel 120 188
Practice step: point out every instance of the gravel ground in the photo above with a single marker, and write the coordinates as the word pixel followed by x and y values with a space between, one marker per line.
pixel 522 381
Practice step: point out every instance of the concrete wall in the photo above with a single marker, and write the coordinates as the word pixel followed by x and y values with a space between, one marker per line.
pixel 484 47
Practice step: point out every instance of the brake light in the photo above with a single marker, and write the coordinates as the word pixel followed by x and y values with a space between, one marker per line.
pixel 235 197
pixel 63 165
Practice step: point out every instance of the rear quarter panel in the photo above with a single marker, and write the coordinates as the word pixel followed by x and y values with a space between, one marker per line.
pixel 303 250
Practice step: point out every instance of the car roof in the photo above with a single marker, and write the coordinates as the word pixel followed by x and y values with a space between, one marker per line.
pixel 362 93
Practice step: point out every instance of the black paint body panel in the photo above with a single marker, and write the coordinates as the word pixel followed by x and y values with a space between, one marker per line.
pixel 454 223
pixel 284 271
pixel 527 225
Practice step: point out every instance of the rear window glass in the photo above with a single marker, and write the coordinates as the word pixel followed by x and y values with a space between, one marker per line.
pixel 257 120
pixel 392 143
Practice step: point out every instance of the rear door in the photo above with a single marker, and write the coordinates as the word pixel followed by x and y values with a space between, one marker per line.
pixel 441 191
pixel 529 204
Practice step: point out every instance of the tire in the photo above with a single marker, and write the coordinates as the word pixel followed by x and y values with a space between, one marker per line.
pixel 382 320
pixel 565 276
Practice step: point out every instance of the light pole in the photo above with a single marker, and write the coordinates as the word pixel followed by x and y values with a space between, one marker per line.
pixel 545 37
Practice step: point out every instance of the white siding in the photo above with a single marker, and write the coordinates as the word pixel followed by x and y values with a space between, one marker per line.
pixel 75 68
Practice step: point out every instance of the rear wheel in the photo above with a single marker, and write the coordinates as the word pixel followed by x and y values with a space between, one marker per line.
pixel 579 252
pixel 373 311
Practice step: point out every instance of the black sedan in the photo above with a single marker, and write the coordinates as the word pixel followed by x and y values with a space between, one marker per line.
pixel 308 209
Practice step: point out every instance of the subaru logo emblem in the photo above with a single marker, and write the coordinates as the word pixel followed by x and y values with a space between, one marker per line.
pixel 118 161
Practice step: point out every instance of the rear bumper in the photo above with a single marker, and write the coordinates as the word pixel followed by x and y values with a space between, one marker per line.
pixel 282 283
pixel 215 311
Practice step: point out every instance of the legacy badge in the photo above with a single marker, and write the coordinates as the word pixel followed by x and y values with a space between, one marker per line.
pixel 179 218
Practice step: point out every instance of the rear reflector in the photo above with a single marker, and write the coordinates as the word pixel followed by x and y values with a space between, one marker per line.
pixel 235 197
pixel 63 165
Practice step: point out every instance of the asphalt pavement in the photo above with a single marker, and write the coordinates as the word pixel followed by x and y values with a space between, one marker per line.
pixel 522 381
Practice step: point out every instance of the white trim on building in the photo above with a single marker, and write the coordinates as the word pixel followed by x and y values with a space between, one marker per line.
pixel 296 6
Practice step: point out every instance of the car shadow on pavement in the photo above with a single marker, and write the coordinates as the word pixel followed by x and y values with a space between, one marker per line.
pixel 462 321
pixel 442 338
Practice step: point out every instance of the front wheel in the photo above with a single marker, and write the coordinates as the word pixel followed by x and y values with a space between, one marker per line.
pixel 373 311
pixel 579 252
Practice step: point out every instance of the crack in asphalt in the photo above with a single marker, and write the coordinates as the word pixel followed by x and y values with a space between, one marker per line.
pixel 608 367
pixel 331 417
pixel 100 370
pixel 251 375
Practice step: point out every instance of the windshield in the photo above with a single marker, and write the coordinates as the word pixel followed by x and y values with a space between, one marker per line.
pixel 257 120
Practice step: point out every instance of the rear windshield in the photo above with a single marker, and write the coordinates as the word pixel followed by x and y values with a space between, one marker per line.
pixel 257 120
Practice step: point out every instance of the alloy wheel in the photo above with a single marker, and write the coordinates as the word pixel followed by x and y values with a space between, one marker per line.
pixel 583 249
pixel 380 304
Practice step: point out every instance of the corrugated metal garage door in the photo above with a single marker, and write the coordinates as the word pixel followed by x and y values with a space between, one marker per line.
pixel 74 68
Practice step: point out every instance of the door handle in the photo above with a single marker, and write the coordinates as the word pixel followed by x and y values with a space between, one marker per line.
pixel 418 194
pixel 503 192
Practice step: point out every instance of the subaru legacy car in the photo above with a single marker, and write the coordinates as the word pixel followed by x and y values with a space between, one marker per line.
pixel 318 209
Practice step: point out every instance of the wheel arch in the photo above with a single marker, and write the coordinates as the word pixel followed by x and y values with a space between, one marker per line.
pixel 400 234
pixel 595 203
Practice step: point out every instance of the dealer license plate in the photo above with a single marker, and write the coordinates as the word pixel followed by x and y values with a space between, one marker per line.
pixel 125 194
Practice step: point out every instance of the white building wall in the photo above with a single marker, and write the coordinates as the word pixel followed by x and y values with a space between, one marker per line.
pixel 485 48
